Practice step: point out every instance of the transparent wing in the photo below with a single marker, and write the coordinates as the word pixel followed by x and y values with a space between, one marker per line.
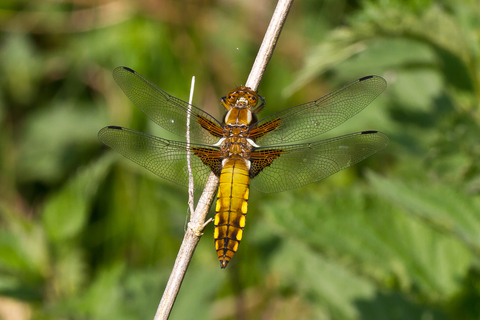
pixel 165 110
pixel 314 118
pixel 298 165
pixel 165 158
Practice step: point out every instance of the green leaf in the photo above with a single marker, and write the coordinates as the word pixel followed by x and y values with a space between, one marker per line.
pixel 23 248
pixel 65 213
pixel 311 274
pixel 376 237
pixel 329 285
pixel 56 138
pixel 440 205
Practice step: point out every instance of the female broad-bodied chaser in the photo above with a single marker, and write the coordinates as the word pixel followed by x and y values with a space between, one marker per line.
pixel 242 149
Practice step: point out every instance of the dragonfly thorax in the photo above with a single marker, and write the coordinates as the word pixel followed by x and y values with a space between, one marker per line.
pixel 235 142
pixel 239 116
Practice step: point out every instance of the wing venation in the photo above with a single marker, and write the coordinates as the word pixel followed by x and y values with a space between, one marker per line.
pixel 297 165
pixel 165 158
pixel 308 120
pixel 165 110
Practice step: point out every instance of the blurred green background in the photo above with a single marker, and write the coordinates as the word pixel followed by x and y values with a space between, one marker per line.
pixel 86 234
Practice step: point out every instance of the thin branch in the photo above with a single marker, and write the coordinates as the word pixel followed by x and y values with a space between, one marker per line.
pixel 197 221
pixel 268 44
pixel 191 185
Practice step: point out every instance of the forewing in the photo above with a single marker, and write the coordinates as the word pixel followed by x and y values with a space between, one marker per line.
pixel 313 118
pixel 298 165
pixel 165 110
pixel 165 158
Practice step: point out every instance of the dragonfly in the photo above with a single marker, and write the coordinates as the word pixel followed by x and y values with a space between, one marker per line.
pixel 242 150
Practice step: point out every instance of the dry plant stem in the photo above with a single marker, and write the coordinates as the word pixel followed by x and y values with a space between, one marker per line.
pixel 268 44
pixel 197 220
pixel 191 185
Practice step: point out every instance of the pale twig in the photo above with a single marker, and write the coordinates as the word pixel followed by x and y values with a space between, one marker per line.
pixel 197 221
pixel 191 185
pixel 268 44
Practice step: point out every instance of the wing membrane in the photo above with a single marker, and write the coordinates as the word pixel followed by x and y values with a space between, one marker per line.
pixel 297 165
pixel 165 110
pixel 167 159
pixel 314 118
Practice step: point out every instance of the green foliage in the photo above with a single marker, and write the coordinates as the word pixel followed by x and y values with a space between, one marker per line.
pixel 86 234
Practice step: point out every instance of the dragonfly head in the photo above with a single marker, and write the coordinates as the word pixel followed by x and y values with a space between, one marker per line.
pixel 241 97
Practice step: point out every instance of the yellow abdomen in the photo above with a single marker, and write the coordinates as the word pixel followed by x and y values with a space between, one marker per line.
pixel 231 208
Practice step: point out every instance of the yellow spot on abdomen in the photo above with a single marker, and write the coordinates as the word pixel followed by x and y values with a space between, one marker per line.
pixel 244 207
pixel 241 223
pixel 239 235
pixel 215 233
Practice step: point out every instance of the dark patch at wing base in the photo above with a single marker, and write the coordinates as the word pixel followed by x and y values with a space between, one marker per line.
pixel 210 158
pixel 259 160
